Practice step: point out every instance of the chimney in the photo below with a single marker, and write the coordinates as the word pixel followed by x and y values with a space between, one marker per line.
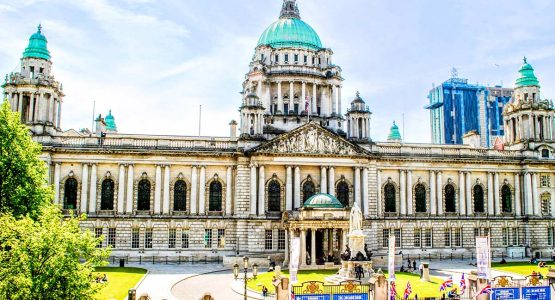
pixel 233 130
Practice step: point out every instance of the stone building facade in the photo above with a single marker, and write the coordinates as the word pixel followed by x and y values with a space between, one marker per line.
pixel 177 195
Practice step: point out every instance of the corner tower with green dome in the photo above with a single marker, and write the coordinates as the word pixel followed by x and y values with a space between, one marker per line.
pixel 294 78
pixel 529 120
pixel 33 91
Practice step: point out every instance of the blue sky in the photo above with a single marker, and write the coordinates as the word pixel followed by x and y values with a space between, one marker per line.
pixel 154 62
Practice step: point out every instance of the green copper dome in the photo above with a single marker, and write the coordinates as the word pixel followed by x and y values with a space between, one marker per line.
pixel 37 46
pixel 290 31
pixel 110 122
pixel 527 77
pixel 323 201
pixel 394 134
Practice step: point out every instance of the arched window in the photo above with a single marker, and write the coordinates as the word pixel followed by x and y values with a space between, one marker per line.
pixel 143 201
pixel 179 196
pixel 389 195
pixel 478 199
pixel 420 197
pixel 450 201
pixel 506 203
pixel 107 195
pixel 215 197
pixel 342 192
pixel 308 190
pixel 70 194
pixel 274 196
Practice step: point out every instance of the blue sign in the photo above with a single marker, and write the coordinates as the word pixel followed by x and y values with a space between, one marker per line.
pixel 350 297
pixel 505 293
pixel 536 293
pixel 312 297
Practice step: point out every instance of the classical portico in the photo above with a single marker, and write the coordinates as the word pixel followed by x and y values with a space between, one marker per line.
pixel 322 224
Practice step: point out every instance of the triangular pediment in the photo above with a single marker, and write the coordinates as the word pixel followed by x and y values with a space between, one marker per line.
pixel 309 139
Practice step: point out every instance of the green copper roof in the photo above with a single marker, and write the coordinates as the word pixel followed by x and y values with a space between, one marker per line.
pixel 290 31
pixel 323 201
pixel 394 134
pixel 110 122
pixel 527 77
pixel 37 46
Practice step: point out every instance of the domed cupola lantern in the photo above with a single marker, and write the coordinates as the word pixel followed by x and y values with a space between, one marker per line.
pixel 358 120
pixel 293 75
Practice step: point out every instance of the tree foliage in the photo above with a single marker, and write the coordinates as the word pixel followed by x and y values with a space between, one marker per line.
pixel 47 258
pixel 23 189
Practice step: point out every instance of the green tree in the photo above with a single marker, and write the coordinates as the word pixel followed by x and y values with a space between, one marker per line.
pixel 48 258
pixel 23 189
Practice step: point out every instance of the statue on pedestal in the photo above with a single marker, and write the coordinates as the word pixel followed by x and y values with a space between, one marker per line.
pixel 355 220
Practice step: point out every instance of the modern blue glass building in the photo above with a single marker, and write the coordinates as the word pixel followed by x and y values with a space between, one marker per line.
pixel 457 107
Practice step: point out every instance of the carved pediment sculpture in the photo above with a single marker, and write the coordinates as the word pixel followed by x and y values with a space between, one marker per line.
pixel 309 139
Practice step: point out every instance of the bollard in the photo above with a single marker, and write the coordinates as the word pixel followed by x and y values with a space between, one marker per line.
pixel 132 294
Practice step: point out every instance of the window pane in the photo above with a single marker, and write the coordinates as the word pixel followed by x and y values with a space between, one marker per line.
pixel 135 238
pixel 215 201
pixel 207 238
pixel 268 240
pixel 112 237
pixel 107 195
pixel 148 238
pixel 274 196
pixel 179 196
pixel 143 201
pixel 185 239
pixel 171 238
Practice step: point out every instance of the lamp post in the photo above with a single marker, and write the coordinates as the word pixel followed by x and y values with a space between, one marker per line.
pixel 245 275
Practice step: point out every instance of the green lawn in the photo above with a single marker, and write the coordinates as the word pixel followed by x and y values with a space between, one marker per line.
pixel 423 289
pixel 120 280
pixel 522 268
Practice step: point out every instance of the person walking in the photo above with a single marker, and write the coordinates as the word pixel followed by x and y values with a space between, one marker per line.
pixel 421 269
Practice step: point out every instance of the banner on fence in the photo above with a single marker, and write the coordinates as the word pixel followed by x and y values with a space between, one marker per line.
pixel 483 257
pixel 312 297
pixel 505 293
pixel 536 293
pixel 391 258
pixel 350 297
pixel 294 258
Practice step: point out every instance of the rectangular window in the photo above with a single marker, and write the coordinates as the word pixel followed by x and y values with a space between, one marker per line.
pixel 514 236
pixel 505 233
pixel 185 239
pixel 313 60
pixel 417 238
pixel 286 109
pixel 397 233
pixel 281 239
pixel 221 238
pixel 112 237
pixel 276 58
pixel 268 239
pixel 207 238
pixel 427 237
pixel 545 181
pixel 522 235
pixel 286 58
pixel 135 238
pixel 485 231
pixel 305 59
pixel 476 232
pixel 171 238
pixel 148 238
pixel 385 236
pixel 296 58
pixel 98 234
pixel 296 108
pixel 447 237
pixel 550 236
pixel 457 238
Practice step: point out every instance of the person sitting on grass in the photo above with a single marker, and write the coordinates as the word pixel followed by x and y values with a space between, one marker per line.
pixel 541 264
pixel 533 260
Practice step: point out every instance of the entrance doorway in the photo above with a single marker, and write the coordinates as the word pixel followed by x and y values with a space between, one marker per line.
pixel 320 255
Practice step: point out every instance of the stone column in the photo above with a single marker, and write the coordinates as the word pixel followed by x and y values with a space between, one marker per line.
pixel 286 256
pixel 314 98
pixel 166 199
pixel 518 208
pixel 57 175
pixel 496 204
pixel 261 191
pixel 535 195
pixel 330 241
pixel 339 109
pixel 280 98
pixel 433 209
pixel 491 205
pixel 439 191
pixel 92 200
pixel 365 202
pixel 84 186
pixel 340 240
pixel 303 96
pixel 357 186
pixel 130 183
pixel 379 191
pixel 313 247
pixel 253 189
pixel 289 189
pixel 528 194
pixel 462 196
pixel 331 183
pixel 410 210
pixel 303 247
pixel 121 189
pixel 20 102
pixel 333 99
pixel 323 180
pixel 468 195
pixel 228 190
pixel 403 193
pixel 297 189
pixel 59 115
pixel 194 190
pixel 52 107
pixel 202 191
pixel 291 94
pixel 158 190
pixel 31 110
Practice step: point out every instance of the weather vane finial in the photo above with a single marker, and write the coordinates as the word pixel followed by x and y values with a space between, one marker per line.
pixel 289 10
pixel 358 94
pixel 525 60
pixel 40 28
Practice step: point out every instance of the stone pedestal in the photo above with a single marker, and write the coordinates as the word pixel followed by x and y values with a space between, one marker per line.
pixel 425 272
pixel 378 286
pixel 356 243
